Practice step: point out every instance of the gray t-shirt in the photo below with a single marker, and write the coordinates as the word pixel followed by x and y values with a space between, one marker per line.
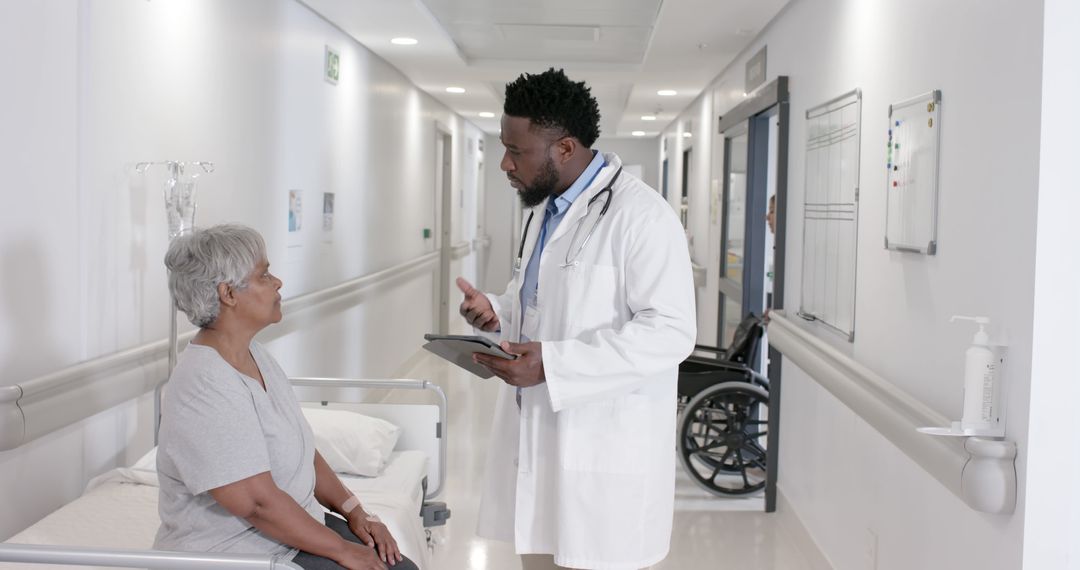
pixel 218 427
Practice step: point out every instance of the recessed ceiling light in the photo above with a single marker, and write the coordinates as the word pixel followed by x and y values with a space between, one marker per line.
pixel 487 115
pixel 667 92
pixel 687 135
pixel 648 117
pixel 404 41
pixel 638 133
pixel 455 89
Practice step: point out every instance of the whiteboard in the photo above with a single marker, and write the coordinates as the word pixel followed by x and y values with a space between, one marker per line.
pixel 912 182
pixel 831 213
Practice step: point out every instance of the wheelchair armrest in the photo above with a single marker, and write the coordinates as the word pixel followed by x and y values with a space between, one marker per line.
pixel 720 354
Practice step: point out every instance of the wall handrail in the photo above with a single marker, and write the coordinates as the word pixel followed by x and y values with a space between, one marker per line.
pixel 460 250
pixel 979 471
pixel 34 408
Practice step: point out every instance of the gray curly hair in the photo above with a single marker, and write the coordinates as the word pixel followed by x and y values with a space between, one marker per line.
pixel 201 260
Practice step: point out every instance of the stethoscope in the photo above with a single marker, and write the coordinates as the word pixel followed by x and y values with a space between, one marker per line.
pixel 572 261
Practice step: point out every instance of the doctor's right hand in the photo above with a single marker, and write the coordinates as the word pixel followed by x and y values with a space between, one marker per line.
pixel 476 308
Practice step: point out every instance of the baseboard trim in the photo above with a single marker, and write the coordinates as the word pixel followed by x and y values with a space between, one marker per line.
pixel 792 525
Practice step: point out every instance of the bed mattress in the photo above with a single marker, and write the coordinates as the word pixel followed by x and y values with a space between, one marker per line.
pixel 119 510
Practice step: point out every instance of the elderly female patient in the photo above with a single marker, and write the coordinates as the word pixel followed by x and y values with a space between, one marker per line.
pixel 238 467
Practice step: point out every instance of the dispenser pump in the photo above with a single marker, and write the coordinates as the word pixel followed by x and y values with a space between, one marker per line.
pixel 981 338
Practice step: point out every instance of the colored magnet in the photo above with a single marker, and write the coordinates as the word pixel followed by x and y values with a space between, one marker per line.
pixel 894 183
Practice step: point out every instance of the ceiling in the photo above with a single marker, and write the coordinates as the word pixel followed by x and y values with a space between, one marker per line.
pixel 625 50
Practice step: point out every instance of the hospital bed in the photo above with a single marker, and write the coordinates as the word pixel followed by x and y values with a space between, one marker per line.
pixel 114 522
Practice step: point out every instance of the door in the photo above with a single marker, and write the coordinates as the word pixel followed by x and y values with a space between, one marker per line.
pixel 732 234
pixel 444 192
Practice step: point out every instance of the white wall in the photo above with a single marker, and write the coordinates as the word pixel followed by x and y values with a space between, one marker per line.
pixel 854 491
pixel 501 210
pixel 92 87
pixel 1052 517
pixel 641 151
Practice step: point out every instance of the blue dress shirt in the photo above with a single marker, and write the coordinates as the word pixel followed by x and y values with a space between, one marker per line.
pixel 553 214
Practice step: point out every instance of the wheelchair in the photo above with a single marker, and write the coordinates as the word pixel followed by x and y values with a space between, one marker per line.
pixel 724 414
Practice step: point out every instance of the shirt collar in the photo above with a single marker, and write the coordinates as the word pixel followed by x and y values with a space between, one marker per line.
pixel 563 201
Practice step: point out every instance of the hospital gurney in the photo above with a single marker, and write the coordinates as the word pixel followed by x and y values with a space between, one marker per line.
pixel 113 523
pixel 724 407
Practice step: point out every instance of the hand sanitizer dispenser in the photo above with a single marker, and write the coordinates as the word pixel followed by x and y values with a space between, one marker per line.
pixel 983 413
pixel 980 373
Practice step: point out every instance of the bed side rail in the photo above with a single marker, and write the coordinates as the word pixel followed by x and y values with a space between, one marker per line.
pixel 351 390
pixel 130 558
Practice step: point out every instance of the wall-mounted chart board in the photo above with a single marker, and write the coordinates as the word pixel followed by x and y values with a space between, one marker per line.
pixel 914 155
pixel 831 213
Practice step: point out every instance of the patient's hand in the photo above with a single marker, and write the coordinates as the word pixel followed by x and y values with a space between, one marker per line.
pixel 476 308
pixel 375 534
pixel 358 557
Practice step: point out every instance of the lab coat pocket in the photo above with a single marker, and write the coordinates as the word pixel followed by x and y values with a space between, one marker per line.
pixel 593 297
pixel 605 437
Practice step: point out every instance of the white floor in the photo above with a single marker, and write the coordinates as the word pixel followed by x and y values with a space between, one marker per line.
pixel 709 533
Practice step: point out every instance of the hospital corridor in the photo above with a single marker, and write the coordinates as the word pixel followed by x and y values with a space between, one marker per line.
pixel 522 285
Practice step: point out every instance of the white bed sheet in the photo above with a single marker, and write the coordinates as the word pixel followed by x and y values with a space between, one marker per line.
pixel 119 510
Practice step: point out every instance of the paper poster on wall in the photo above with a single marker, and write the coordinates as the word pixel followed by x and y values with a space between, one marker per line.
pixel 912 162
pixel 328 216
pixel 296 210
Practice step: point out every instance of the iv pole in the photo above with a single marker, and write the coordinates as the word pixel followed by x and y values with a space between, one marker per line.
pixel 180 205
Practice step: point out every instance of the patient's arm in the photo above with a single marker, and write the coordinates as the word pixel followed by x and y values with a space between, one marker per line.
pixel 332 494
pixel 329 490
pixel 260 502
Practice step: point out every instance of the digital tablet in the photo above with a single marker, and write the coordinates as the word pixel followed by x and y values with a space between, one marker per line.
pixel 460 348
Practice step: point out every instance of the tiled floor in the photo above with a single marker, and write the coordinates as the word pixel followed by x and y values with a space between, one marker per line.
pixel 710 533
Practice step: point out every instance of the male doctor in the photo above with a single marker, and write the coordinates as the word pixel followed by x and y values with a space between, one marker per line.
pixel 600 311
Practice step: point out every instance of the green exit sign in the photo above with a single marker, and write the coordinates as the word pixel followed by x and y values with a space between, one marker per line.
pixel 333 65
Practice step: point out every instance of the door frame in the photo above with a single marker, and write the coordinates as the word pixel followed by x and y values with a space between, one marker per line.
pixel 768 101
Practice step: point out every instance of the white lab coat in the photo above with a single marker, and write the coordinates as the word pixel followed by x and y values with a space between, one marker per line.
pixel 585 470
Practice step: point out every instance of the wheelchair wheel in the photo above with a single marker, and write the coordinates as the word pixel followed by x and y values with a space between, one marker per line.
pixel 722 438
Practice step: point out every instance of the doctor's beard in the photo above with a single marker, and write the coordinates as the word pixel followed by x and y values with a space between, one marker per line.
pixel 542 187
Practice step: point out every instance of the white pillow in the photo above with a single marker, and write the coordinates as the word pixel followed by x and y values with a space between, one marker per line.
pixel 352 443
pixel 147 462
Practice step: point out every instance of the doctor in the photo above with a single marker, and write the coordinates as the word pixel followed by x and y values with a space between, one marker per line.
pixel 600 310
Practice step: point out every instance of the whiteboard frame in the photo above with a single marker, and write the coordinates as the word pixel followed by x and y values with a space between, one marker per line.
pixel 811 113
pixel 930 247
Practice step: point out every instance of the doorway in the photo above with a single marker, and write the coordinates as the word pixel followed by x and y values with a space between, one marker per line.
pixel 755 139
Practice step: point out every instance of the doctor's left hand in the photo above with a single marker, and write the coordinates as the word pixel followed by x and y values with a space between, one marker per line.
pixel 527 370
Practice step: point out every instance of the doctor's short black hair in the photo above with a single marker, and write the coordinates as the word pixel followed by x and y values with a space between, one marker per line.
pixel 551 100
